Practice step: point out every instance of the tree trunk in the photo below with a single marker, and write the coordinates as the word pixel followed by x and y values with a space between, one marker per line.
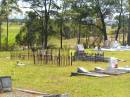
pixel 119 24
pixel 102 20
pixel 7 33
pixel 42 33
pixel 128 38
pixel 117 32
pixel 86 36
pixel 103 26
pixel 105 33
pixel 46 32
pixel 61 27
pixel 124 33
pixel 0 35
pixel 79 36
pixel 46 25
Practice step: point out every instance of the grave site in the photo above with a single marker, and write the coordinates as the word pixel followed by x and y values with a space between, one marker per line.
pixel 34 74
pixel 64 48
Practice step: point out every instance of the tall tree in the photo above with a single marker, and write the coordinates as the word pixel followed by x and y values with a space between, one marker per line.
pixel 8 6
pixel 0 25
pixel 100 10
pixel 30 33
pixel 120 10
pixel 43 8
pixel 0 34
pixel 79 10
pixel 128 39
pixel 61 19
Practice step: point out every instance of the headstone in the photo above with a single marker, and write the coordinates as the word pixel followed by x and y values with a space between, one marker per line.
pixel 116 44
pixel 80 48
pixel 113 62
pixel 80 54
pixel 0 87
pixel 127 46
pixel 81 70
pixel 96 48
pixel 5 83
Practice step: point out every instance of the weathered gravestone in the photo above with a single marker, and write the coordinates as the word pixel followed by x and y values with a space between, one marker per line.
pixel 5 84
pixel 81 70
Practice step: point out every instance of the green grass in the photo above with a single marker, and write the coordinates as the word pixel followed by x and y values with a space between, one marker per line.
pixel 13 31
pixel 53 79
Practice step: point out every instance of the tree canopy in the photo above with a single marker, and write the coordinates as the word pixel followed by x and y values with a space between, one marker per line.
pixel 74 18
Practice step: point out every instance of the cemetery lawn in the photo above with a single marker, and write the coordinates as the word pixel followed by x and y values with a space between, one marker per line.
pixel 53 79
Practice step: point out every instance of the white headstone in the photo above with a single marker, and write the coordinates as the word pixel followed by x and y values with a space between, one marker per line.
pixel 81 70
pixel 113 62
pixel 116 44
pixel 80 47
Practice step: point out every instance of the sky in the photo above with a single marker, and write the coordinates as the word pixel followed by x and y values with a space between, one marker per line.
pixel 22 6
pixel 20 15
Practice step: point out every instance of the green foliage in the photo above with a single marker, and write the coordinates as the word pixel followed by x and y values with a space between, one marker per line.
pixel 31 32
pixel 13 31
pixel 21 36
pixel 75 18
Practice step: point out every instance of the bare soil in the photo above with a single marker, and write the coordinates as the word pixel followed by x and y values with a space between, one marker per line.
pixel 18 94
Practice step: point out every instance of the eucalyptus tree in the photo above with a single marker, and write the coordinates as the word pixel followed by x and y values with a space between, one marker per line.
pixel 128 39
pixel 120 10
pixel 95 10
pixel 78 11
pixel 1 21
pixel 59 20
pixel 30 33
pixel 7 7
pixel 1 18
pixel 0 34
pixel 62 18
pixel 43 8
pixel 100 10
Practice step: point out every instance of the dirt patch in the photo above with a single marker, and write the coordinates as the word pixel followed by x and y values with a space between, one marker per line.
pixel 18 94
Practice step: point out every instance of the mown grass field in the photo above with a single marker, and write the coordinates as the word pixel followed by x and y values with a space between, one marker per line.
pixel 53 79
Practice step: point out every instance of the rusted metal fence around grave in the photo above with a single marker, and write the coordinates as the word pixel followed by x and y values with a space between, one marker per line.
pixel 60 57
